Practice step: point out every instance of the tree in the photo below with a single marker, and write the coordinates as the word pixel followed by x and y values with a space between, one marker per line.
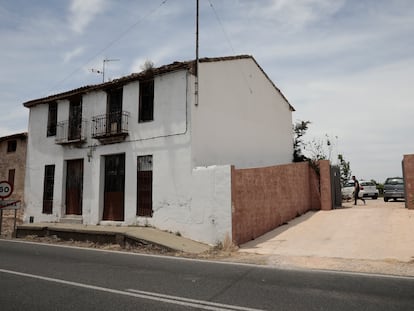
pixel 345 169
pixel 148 65
pixel 299 130
pixel 317 149
pixel 321 148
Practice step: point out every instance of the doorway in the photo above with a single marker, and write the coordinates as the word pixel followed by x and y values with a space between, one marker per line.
pixel 74 187
pixel 75 119
pixel 114 187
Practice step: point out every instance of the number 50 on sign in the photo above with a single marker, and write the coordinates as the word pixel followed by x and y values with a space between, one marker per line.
pixel 6 189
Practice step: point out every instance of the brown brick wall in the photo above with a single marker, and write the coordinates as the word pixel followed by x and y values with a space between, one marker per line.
pixel 265 198
pixel 325 182
pixel 408 170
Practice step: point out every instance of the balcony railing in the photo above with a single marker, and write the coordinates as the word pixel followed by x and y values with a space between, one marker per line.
pixel 71 132
pixel 110 126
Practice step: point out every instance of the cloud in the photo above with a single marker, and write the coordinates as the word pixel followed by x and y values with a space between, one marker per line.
pixel 369 111
pixel 68 56
pixel 290 16
pixel 83 12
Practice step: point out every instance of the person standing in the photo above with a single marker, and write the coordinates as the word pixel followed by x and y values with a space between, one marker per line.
pixel 356 190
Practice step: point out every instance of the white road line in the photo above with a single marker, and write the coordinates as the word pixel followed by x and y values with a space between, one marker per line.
pixel 203 302
pixel 206 305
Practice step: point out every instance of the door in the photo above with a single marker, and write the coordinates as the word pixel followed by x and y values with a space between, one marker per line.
pixel 114 111
pixel 75 119
pixel 74 187
pixel 336 187
pixel 114 187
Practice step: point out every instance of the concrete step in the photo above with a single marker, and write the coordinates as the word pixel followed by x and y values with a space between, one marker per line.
pixel 71 219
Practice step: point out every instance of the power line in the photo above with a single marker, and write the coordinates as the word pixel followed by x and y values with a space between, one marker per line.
pixel 111 43
pixel 221 26
pixel 229 42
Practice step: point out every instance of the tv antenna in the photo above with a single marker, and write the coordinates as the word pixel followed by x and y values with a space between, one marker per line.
pixel 102 72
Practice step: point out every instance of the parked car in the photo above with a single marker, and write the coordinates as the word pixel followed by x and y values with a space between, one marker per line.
pixel 367 189
pixel 394 188
pixel 347 190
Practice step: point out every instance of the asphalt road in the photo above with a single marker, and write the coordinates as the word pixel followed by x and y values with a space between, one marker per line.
pixel 47 277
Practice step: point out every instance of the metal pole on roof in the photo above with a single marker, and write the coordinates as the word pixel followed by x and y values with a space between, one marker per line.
pixel 103 66
pixel 197 60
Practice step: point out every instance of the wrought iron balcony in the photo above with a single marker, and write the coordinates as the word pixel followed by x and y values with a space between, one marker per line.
pixel 110 127
pixel 71 132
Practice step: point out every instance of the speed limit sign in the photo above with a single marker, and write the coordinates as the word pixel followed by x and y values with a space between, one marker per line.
pixel 6 189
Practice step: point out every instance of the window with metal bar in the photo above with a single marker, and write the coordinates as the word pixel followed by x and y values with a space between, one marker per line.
pixel 144 186
pixel 48 184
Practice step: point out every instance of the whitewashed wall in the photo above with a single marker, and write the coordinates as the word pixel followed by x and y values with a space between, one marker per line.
pixel 195 203
pixel 241 118
pixel 204 213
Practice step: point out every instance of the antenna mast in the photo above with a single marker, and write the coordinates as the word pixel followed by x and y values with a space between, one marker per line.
pixel 197 59
pixel 103 66
pixel 102 72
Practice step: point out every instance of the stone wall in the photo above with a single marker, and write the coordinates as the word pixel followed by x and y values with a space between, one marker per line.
pixel 265 198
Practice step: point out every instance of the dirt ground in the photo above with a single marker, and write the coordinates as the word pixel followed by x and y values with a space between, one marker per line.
pixel 231 253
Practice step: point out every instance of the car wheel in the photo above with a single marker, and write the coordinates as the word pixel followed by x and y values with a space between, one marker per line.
pixel 385 199
pixel 375 197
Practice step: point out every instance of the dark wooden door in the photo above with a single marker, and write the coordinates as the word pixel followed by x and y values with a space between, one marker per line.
pixel 74 187
pixel 114 187
pixel 114 111
pixel 75 119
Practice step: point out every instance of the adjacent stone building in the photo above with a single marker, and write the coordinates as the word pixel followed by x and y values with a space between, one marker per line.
pixel 13 165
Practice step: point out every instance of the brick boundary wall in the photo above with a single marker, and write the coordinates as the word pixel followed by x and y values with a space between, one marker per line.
pixel 408 172
pixel 265 198
pixel 325 182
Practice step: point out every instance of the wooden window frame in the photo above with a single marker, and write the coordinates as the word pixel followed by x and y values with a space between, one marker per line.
pixel 11 146
pixel 146 101
pixel 12 174
pixel 52 119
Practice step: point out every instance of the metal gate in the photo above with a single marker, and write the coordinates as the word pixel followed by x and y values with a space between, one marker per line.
pixel 336 186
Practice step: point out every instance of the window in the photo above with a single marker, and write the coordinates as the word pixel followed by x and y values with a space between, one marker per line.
pixel 144 186
pixel 146 101
pixel 11 145
pixel 52 119
pixel 48 184
pixel 12 172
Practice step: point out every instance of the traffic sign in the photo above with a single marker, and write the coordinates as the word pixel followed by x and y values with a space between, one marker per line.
pixel 6 189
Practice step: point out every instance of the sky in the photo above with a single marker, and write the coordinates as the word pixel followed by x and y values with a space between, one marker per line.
pixel 347 66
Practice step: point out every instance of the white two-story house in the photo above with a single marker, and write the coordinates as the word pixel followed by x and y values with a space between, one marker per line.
pixel 155 148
